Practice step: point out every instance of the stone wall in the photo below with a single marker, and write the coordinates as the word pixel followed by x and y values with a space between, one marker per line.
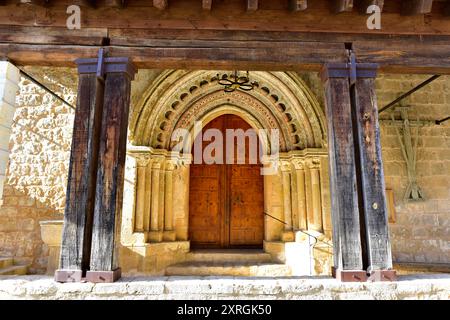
pixel 38 164
pixel 421 232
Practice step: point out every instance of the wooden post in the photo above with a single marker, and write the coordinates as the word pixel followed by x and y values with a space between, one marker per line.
pixel 110 174
pixel 76 239
pixel 348 259
pixel 372 186
pixel 360 228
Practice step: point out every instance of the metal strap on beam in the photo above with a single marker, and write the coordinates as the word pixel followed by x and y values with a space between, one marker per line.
pixel 407 94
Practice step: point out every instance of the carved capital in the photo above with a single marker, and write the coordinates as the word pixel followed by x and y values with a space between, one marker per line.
pixel 142 160
pixel 313 163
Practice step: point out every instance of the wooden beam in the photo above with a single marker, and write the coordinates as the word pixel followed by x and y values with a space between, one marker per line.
pixel 104 264
pixel 76 240
pixel 207 4
pixel 224 18
pixel 298 5
pixel 371 175
pixel 347 248
pixel 416 7
pixel 342 6
pixel 161 4
pixel 252 5
pixel 364 4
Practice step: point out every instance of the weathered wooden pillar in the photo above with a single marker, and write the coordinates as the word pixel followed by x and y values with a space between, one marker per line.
pixel 119 73
pixel 80 196
pixel 348 259
pixel 360 230
pixel 371 178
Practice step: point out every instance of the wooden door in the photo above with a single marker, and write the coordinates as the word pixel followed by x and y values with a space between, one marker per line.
pixel 226 201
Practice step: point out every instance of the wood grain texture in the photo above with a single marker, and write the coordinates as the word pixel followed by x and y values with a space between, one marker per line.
pixel 416 7
pixel 342 5
pixel 110 175
pixel 344 198
pixel 372 186
pixel 298 5
pixel 76 240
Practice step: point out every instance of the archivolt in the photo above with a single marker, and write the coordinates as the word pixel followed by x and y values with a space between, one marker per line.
pixel 178 98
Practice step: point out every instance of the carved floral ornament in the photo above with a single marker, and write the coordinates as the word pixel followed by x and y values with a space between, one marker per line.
pixel 176 99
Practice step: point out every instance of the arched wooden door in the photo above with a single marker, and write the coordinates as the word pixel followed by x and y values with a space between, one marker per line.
pixel 226 201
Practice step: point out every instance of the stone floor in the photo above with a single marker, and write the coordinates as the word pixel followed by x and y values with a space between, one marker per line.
pixel 408 287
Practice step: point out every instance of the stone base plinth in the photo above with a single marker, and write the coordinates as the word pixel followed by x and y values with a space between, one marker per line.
pixel 152 258
pixel 207 288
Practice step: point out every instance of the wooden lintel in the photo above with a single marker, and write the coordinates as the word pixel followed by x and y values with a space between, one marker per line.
pixel 252 5
pixel 161 4
pixel 206 4
pixel 298 5
pixel 416 7
pixel 342 6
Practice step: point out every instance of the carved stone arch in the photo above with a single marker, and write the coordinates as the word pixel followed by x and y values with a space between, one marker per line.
pixel 220 110
pixel 280 101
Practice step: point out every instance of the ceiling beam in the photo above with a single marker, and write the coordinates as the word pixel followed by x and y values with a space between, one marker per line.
pixel 206 4
pixel 36 2
pixel 161 4
pixel 252 5
pixel 416 7
pixel 342 6
pixel 298 5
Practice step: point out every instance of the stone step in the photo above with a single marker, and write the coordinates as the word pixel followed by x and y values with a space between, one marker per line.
pixel 248 256
pixel 6 262
pixel 199 268
pixel 14 270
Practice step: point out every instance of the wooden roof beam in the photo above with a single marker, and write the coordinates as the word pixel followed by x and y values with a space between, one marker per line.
pixel 252 5
pixel 161 4
pixel 342 6
pixel 416 7
pixel 36 2
pixel 206 4
pixel 298 5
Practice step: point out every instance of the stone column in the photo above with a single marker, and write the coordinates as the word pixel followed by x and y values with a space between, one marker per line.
pixel 294 199
pixel 169 233
pixel 301 194
pixel 9 86
pixel 288 234
pixel 139 221
pixel 148 196
pixel 155 235
pixel 314 167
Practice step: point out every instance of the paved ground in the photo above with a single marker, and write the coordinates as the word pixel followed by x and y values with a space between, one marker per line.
pixel 429 286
